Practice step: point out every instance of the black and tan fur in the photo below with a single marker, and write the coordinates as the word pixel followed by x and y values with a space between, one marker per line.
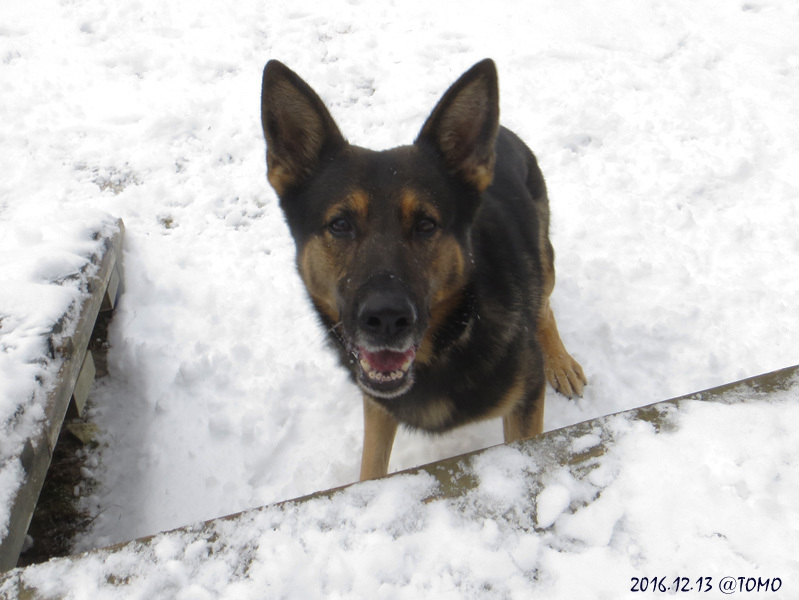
pixel 430 265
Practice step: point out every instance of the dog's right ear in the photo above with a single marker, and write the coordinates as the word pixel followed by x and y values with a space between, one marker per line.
pixel 297 126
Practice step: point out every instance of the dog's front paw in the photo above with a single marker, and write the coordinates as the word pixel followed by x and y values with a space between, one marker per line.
pixel 565 374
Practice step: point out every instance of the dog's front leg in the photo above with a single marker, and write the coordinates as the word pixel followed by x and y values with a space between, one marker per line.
pixel 379 429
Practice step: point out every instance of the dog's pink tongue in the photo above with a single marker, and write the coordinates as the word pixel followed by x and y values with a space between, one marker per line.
pixel 387 361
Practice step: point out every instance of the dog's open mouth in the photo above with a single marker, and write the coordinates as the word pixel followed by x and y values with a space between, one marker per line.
pixel 386 373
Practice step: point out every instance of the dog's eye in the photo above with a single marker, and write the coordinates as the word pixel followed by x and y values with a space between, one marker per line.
pixel 425 226
pixel 340 227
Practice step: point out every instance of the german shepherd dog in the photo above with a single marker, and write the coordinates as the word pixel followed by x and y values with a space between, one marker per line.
pixel 430 265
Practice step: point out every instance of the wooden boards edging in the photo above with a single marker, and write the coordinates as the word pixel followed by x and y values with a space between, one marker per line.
pixel 73 381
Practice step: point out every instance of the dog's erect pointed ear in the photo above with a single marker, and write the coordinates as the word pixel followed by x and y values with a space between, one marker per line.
pixel 463 126
pixel 297 126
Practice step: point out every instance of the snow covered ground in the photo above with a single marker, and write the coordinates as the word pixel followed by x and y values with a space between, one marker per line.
pixel 667 132
pixel 718 517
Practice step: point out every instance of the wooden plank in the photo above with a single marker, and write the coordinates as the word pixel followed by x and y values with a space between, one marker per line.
pixel 82 386
pixel 552 450
pixel 113 288
pixel 38 451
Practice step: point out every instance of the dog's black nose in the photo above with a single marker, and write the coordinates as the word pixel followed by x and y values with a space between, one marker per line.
pixel 386 315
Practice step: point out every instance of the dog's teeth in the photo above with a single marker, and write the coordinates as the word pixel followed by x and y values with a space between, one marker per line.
pixel 406 365
pixel 381 377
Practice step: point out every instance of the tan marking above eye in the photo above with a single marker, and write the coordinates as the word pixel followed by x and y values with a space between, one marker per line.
pixel 355 203
pixel 358 202
pixel 412 206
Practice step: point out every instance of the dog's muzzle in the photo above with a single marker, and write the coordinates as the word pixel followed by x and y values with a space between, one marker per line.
pixel 387 324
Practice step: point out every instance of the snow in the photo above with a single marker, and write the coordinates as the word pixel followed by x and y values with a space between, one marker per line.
pixel 717 508
pixel 668 136
pixel 44 266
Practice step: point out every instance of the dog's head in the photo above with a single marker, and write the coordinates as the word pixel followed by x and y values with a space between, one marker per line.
pixel 383 238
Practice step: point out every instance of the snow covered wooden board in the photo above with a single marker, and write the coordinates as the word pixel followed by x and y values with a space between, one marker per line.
pixel 597 498
pixel 557 448
pixel 66 349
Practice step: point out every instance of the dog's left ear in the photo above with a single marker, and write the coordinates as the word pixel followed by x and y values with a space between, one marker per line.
pixel 463 126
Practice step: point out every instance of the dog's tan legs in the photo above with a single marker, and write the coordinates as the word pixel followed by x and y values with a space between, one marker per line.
pixel 562 371
pixel 379 429
pixel 517 426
